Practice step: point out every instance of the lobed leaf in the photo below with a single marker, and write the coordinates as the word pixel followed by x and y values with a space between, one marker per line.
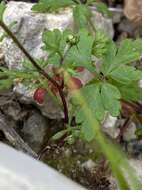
pixel 128 51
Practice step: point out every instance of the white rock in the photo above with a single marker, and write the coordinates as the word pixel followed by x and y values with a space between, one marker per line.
pixel 20 172
pixel 30 26
pixel 137 165
pixel 140 83
pixel 89 164
pixel 109 126
pixel 129 133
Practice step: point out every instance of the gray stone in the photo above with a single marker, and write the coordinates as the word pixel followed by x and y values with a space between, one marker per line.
pixel 30 26
pixel 129 133
pixel 109 126
pixel 34 131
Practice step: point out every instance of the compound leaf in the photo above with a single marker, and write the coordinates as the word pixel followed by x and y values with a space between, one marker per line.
pixel 128 51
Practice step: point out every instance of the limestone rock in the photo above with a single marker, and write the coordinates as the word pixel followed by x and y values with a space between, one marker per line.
pixel 35 130
pixel 30 26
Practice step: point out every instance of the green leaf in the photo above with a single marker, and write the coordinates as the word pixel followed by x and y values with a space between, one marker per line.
pixel 138 132
pixel 80 55
pixel 109 57
pixel 59 135
pixel 110 97
pixel 128 51
pixel 51 5
pixel 51 40
pixel 54 59
pixel 5 84
pixel 2 9
pixel 55 41
pixel 130 92
pixel 126 74
pixel 100 44
pixel 93 99
pixel 102 8
pixel 81 14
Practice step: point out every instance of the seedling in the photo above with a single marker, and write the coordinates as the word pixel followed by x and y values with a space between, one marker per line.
pixel 71 53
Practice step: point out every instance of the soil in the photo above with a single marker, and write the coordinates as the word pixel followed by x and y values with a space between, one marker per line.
pixel 79 161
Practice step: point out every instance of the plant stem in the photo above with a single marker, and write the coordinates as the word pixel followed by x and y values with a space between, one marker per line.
pixel 92 25
pixel 67 48
pixel 39 69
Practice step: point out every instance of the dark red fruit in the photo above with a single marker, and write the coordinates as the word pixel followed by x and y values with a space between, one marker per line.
pixel 39 95
pixel 74 83
pixel 79 69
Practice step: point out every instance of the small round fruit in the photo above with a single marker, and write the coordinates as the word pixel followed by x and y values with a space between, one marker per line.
pixel 74 83
pixel 39 95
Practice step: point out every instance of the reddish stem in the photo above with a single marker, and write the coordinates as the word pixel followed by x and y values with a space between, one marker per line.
pixel 39 69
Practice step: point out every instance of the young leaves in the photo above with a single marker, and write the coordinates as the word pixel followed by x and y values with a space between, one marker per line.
pixel 79 54
pixel 51 40
pixel 100 44
pixel 51 5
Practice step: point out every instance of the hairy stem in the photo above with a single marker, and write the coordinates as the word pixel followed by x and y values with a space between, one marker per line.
pixel 39 69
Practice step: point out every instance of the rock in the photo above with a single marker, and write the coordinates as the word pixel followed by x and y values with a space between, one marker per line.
pixel 89 164
pixel 133 10
pixel 129 28
pixel 129 133
pixel 140 83
pixel 134 148
pixel 20 172
pixel 137 165
pixel 49 108
pixel 35 130
pixel 109 126
pixel 28 29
